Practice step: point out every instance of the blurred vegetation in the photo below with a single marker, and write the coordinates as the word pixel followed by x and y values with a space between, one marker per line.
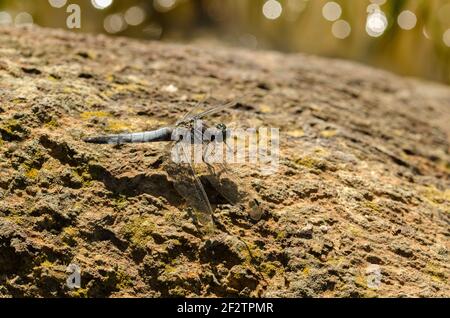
pixel 301 27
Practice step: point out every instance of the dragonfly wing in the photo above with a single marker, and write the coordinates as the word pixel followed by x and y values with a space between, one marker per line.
pixel 189 186
pixel 193 110
pixel 220 108
pixel 226 181
pixel 234 189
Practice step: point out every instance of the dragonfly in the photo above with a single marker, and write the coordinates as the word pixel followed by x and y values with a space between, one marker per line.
pixel 186 169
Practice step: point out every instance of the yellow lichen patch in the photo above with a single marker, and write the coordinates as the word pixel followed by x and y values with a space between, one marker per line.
pixel 124 281
pixel 79 293
pixel 355 231
pixel 32 173
pixel 154 123
pixel 169 269
pixel 437 197
pixel 271 268
pixel 52 124
pixel 52 78
pixel 336 261
pixel 71 231
pixel 184 270
pixel 47 264
pixel 93 100
pixel 69 235
pixel 18 100
pixel 265 109
pixel 89 115
pixel 437 273
pixel 361 281
pixel 121 202
pixel 76 177
pixel 51 166
pixel 171 217
pixel 296 133
pixel 10 126
pixel 370 293
pixel 116 126
pixel 253 252
pixel 199 97
pixel 306 271
pixel 328 133
pixel 372 206
pixel 281 235
pixel 123 88
pixel 309 162
pixel 444 166
pixel 110 78
pixel 68 90
pixel 139 231
pixel 17 219
pixel 319 151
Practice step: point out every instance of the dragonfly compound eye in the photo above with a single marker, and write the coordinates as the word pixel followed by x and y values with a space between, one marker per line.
pixel 221 127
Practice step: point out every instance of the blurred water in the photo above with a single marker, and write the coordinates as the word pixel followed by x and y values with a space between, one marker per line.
pixel 410 37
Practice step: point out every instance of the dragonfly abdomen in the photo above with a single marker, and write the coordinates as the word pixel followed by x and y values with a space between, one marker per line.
pixel 163 134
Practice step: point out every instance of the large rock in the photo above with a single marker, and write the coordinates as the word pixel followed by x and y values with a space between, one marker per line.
pixel 363 178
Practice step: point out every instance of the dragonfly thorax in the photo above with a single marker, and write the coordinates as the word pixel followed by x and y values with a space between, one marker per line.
pixel 194 131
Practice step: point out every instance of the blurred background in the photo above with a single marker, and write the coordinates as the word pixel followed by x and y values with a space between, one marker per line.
pixel 409 37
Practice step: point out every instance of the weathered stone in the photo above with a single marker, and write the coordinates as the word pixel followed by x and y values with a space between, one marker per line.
pixel 363 176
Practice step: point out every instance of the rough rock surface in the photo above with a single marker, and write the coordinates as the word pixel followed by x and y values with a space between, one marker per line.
pixel 363 178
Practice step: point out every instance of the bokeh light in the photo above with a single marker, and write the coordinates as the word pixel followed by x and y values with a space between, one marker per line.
pixel 57 3
pixel 372 29
pixel 164 5
pixel 407 20
pixel 101 4
pixel 376 23
pixel 23 19
pixel 341 29
pixel 114 23
pixel 331 11
pixel 135 16
pixel 5 18
pixel 272 9
pixel 446 38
